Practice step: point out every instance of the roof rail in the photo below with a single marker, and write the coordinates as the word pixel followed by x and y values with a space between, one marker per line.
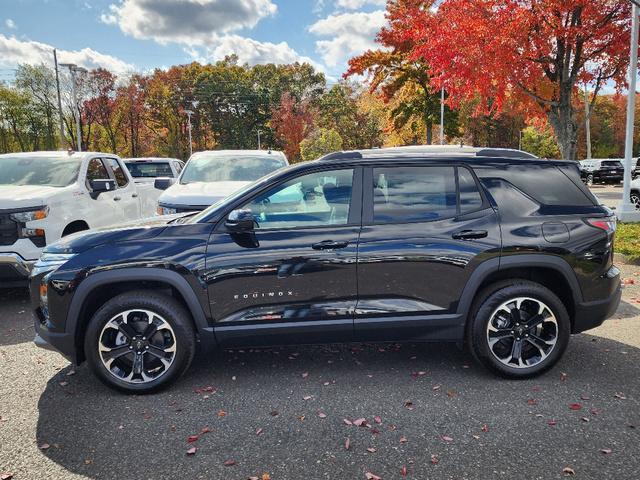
pixel 340 156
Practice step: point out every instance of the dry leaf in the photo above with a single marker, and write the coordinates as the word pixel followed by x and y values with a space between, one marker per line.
pixel 192 451
pixel 347 444
pixel 568 471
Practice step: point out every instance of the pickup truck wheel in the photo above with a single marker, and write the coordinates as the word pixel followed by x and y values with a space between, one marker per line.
pixel 590 179
pixel 140 342
pixel 518 329
pixel 635 199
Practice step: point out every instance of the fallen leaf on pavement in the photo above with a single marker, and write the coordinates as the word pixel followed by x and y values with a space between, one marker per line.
pixel 371 450
pixel 552 422
pixel 347 421
pixel 447 438
pixel 6 476
pixel 403 471
pixel 347 444
pixel 434 459
pixel 359 422
pixel 606 451
pixel 258 431
pixel 229 463
pixel 371 476
pixel 568 471
pixel 485 428
pixel 205 430
pixel 192 451
pixel 322 415
pixel 307 397
pixel 44 446
pixel 222 413
pixel 377 419
pixel 192 438
pixel 575 406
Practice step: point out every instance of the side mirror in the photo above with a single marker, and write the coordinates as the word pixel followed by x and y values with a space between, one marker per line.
pixel 162 183
pixel 99 186
pixel 240 221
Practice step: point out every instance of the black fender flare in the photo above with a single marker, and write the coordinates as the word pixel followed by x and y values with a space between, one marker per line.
pixel 170 277
pixel 527 260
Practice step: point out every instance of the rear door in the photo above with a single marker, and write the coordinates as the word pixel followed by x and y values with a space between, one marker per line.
pixel 425 230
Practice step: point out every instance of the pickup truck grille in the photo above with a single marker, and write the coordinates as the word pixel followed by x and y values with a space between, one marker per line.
pixel 8 230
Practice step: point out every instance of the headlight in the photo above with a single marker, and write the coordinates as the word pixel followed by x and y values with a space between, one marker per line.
pixel 50 261
pixel 37 213
pixel 161 210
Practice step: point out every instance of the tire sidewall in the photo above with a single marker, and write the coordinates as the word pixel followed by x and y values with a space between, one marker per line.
pixel 166 307
pixel 487 306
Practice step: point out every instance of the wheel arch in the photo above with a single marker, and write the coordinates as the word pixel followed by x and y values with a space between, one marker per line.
pixel 550 271
pixel 74 226
pixel 90 295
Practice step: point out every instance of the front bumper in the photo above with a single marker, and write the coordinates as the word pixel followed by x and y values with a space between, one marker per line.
pixel 14 270
pixel 61 342
pixel 590 315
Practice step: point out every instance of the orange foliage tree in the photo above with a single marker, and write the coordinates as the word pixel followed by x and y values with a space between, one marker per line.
pixel 291 121
pixel 538 51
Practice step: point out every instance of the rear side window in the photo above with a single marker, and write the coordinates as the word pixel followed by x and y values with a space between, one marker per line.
pixel 96 170
pixel 118 173
pixel 470 198
pixel 413 194
pixel 546 184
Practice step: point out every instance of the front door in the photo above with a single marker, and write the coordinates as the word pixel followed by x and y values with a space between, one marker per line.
pixel 421 239
pixel 293 278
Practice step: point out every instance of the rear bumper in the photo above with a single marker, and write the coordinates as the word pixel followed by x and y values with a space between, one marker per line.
pixel 591 314
pixel 14 270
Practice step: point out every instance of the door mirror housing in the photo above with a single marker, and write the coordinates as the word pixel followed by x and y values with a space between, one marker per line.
pixel 240 221
pixel 162 183
pixel 102 185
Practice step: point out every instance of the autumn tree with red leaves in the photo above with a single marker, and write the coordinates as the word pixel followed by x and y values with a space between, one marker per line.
pixel 536 51
pixel 291 121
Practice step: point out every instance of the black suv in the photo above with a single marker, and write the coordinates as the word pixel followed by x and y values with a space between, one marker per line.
pixel 509 255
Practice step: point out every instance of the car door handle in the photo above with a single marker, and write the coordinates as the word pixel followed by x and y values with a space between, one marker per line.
pixel 469 234
pixel 116 199
pixel 329 245
pixel 134 195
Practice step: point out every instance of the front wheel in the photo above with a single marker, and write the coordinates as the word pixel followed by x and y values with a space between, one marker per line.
pixel 140 341
pixel 518 329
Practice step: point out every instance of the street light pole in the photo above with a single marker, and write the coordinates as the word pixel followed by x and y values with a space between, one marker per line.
pixel 442 116
pixel 60 119
pixel 587 121
pixel 73 69
pixel 189 113
pixel 626 211
pixel 259 132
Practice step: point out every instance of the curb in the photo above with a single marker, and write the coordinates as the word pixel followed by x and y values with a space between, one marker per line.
pixel 622 258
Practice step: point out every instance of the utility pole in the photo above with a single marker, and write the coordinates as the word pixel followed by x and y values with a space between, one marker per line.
pixel 73 70
pixel 189 113
pixel 626 211
pixel 442 116
pixel 62 137
pixel 259 132
pixel 587 121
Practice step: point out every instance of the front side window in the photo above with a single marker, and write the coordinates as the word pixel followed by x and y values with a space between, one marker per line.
pixel 321 198
pixel 118 172
pixel 96 170
pixel 413 194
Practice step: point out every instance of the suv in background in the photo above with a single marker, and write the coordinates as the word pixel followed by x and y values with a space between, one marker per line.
pixel 148 169
pixel 607 171
pixel 212 175
pixel 508 255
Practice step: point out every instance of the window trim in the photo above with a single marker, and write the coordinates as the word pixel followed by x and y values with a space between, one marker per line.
pixel 113 174
pixel 86 173
pixel 367 214
pixel 355 208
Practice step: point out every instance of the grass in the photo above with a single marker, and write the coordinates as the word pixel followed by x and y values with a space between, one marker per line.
pixel 627 240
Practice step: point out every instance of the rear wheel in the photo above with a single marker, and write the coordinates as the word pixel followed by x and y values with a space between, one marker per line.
pixel 635 199
pixel 590 179
pixel 140 342
pixel 518 329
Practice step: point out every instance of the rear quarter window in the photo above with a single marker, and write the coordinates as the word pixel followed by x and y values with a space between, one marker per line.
pixel 546 184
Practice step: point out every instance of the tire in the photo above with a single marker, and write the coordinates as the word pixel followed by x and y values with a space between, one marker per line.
pixel 635 199
pixel 589 181
pixel 536 356
pixel 173 339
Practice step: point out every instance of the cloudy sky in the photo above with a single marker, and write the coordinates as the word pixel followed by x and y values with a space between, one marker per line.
pixel 139 35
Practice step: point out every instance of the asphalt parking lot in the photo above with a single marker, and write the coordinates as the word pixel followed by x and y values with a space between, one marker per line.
pixel 292 413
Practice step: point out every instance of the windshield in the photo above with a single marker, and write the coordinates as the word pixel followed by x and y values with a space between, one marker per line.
pixel 231 198
pixel 229 168
pixel 149 170
pixel 43 171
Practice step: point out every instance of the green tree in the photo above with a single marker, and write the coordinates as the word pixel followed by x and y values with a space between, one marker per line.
pixel 320 143
pixel 540 142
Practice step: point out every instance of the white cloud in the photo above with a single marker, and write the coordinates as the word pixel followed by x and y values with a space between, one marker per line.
pixel 356 4
pixel 249 51
pixel 188 22
pixel 349 34
pixel 14 51
pixel 10 24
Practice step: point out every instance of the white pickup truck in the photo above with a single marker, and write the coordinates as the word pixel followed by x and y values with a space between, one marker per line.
pixel 47 195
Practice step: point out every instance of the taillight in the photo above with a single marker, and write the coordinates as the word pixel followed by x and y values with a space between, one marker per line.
pixel 607 224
